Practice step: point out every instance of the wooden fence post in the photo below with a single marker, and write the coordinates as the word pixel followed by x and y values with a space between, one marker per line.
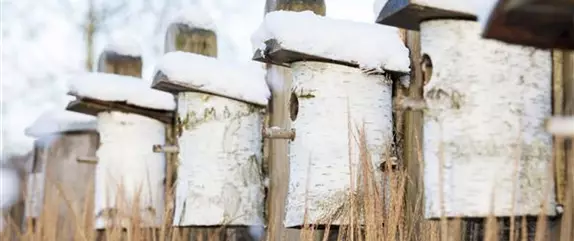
pixel 183 35
pixel 279 79
pixel 445 146
pixel 563 101
pixel 60 199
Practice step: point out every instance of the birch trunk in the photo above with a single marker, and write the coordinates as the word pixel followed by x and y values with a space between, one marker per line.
pixel 129 176
pixel 329 104
pixel 483 130
pixel 219 179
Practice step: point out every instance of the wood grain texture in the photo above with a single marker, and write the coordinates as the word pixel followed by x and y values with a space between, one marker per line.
pixel 113 63
pixel 68 184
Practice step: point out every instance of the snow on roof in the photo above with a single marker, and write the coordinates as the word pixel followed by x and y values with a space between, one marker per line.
pixel 368 45
pixel 59 121
pixel 240 81
pixel 195 17
pixel 124 44
pixel 111 87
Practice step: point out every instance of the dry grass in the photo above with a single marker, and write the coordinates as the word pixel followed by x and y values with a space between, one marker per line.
pixel 383 216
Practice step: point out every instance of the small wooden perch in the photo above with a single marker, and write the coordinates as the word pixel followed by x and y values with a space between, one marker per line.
pixel 278 133
pixel 561 126
pixel 409 13
pixel 93 107
pixel 88 159
pixel 165 149
pixel 405 103
pixel 541 24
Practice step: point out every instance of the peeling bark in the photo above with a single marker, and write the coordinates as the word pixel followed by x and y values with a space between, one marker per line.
pixel 219 181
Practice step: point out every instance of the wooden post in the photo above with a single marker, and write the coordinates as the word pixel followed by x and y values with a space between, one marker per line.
pixel 62 200
pixel 278 163
pixel 185 37
pixel 563 98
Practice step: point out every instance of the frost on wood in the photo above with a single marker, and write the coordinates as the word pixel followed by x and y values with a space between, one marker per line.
pixel 487 102
pixel 128 169
pixel 324 97
pixel 59 121
pixel 34 195
pixel 111 87
pixel 195 16
pixel 123 43
pixel 219 178
pixel 242 81
pixel 371 46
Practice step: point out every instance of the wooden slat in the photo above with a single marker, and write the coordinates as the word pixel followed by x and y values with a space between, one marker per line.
pixel 408 14
pixel 536 24
pixel 278 55
pixel 93 107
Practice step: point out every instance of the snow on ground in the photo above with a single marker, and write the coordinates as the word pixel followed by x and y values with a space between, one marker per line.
pixel 372 46
pixel 58 121
pixel 111 87
pixel 227 78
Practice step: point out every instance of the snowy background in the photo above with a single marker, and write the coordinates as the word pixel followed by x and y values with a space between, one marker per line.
pixel 43 42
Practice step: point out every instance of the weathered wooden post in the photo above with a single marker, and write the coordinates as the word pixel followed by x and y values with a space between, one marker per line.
pixel 219 129
pixel 131 120
pixel 326 160
pixel 58 196
pixel 476 157
pixel 279 79
pixel 561 125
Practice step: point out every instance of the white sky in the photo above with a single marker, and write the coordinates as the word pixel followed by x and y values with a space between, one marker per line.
pixel 42 43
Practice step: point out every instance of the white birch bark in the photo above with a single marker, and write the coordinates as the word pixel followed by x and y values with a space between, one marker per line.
pixel 127 166
pixel 323 155
pixel 219 180
pixel 484 127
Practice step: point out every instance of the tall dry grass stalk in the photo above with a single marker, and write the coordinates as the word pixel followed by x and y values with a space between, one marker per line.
pixel 378 203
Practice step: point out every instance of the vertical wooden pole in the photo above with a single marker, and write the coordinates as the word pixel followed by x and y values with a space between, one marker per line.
pixel 280 79
pixel 182 37
pixel 563 101
pixel 114 63
pixel 412 155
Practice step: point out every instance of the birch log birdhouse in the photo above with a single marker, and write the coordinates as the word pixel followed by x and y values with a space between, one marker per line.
pixel 219 126
pixel 485 147
pixel 333 100
pixel 61 138
pixel 131 119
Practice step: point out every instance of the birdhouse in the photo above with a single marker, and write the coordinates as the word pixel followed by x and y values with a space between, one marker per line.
pixel 341 90
pixel 485 148
pixel 219 126
pixel 62 137
pixel 131 119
